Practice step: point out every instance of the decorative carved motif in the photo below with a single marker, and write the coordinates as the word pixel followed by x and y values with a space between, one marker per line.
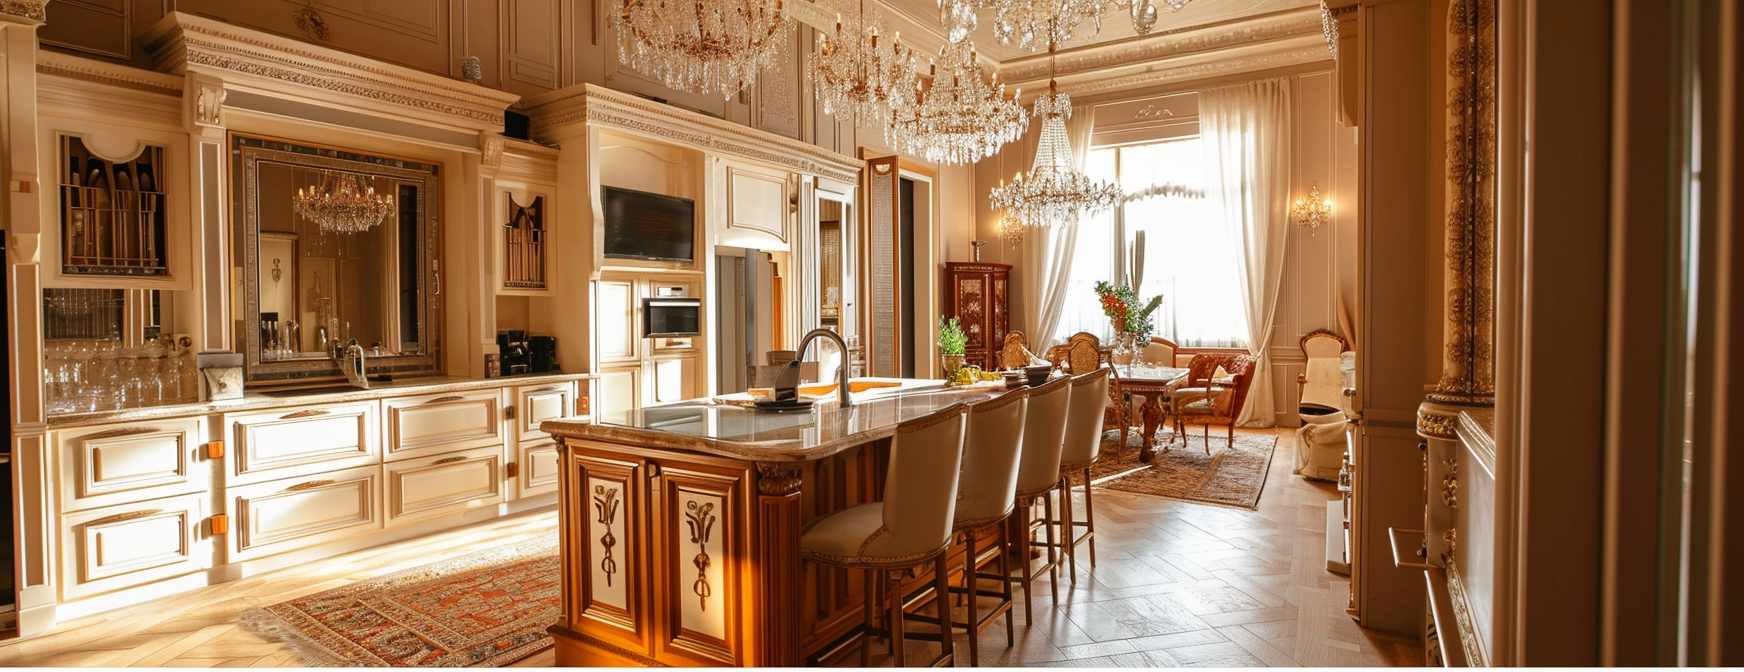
pixel 320 82
pixel 25 9
pixel 1450 482
pixel 1152 112
pixel 492 149
pixel 605 504
pixel 310 21
pixel 701 520
pixel 1467 369
pixel 1464 619
pixel 1329 28
pixel 1435 421
pixel 1451 538
pixel 778 479
pixel 51 63
pixel 209 104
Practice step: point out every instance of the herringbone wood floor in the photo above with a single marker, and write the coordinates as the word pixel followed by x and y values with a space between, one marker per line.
pixel 1176 584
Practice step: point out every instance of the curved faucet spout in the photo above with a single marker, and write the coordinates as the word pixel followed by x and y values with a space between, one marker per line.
pixel 841 371
pixel 350 359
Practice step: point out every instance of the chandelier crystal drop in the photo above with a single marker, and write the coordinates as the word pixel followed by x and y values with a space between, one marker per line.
pixel 342 203
pixel 960 118
pixel 1054 193
pixel 701 46
pixel 958 17
pixel 1033 24
pixel 859 73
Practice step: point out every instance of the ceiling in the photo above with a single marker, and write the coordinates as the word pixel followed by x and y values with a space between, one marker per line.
pixel 1116 27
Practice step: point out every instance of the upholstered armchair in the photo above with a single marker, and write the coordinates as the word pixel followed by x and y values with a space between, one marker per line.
pixel 1160 352
pixel 1206 397
pixel 1320 442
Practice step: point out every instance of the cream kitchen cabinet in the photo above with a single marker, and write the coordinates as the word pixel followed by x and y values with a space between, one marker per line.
pixel 290 442
pixel 432 486
pixel 109 465
pixel 295 513
pixel 433 424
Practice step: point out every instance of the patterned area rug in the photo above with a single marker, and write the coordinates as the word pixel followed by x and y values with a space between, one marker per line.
pixel 486 609
pixel 1228 476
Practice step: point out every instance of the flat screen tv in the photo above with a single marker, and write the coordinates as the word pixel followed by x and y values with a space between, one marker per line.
pixel 654 227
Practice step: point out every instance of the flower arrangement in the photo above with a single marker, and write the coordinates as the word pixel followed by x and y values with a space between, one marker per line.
pixel 1121 305
pixel 952 340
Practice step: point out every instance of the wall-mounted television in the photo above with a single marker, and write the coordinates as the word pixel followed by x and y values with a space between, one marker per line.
pixel 653 227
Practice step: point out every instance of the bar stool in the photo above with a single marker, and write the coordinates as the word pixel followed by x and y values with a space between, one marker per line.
pixel 1038 473
pixel 1083 442
pixel 986 492
pixel 910 528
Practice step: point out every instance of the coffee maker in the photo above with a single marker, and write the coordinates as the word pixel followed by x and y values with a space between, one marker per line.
pixel 543 352
pixel 512 350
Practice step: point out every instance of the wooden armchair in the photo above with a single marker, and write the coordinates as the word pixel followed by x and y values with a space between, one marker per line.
pixel 1083 353
pixel 1014 354
pixel 1115 415
pixel 1204 399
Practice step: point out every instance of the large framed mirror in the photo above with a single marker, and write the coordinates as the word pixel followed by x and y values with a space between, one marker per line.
pixel 334 246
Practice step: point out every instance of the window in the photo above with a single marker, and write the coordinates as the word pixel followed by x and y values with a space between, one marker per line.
pixel 1188 257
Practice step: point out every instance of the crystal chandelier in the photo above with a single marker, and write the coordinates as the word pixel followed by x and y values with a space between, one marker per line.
pixel 859 75
pixel 1055 193
pixel 960 118
pixel 342 203
pixel 1032 23
pixel 701 45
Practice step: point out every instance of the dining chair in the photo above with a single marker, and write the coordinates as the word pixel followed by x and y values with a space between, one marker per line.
pixel 1038 473
pixel 1206 396
pixel 1118 413
pixel 1083 441
pixel 1082 355
pixel 986 494
pixel 1014 353
pixel 910 528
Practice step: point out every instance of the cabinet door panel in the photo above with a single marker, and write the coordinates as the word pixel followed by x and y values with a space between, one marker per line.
pixel 289 514
pixel 620 390
pixel 440 423
pixel 674 379
pixel 539 471
pixel 434 486
pixel 610 591
pixel 131 545
pixel 615 319
pixel 285 443
pixel 117 464
pixel 701 551
pixel 536 404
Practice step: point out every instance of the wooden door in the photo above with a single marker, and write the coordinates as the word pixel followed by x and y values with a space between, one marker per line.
pixel 883 323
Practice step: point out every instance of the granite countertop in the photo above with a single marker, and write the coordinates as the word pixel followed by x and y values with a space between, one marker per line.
pixel 327 394
pixel 720 426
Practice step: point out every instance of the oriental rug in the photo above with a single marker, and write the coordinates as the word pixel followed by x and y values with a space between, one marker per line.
pixel 1229 476
pixel 485 609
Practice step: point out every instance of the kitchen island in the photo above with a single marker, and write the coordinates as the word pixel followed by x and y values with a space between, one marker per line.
pixel 681 525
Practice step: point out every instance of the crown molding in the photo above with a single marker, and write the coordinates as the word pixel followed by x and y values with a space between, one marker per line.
pixel 566 112
pixel 57 64
pixel 287 68
pixel 1160 49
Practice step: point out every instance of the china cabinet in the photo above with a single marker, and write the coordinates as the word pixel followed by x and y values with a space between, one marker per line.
pixel 978 296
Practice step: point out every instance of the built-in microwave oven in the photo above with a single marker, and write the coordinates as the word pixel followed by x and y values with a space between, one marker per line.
pixel 671 316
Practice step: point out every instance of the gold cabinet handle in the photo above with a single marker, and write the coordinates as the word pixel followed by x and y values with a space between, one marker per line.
pixel 449 460
pixel 310 413
pixel 124 431
pixel 444 400
pixel 307 485
pixel 130 515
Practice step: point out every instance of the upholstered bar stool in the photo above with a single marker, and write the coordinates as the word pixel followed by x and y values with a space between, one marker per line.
pixel 910 528
pixel 1038 473
pixel 1083 441
pixel 986 492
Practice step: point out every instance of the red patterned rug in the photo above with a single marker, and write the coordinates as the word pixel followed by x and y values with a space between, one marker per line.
pixel 1225 475
pixel 486 609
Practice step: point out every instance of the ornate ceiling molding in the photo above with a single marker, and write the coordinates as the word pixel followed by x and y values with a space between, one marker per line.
pixel 284 67
pixel 1153 75
pixel 1162 47
pixel 30 10
pixel 556 115
pixel 57 64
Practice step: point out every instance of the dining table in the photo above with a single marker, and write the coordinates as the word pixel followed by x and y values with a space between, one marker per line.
pixel 1154 383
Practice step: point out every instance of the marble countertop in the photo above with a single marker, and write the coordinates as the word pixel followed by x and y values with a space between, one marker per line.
pixel 327 394
pixel 720 426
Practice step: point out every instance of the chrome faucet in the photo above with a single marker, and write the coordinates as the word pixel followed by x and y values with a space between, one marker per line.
pixel 350 360
pixel 787 384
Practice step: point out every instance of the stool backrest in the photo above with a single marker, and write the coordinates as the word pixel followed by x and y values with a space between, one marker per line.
pixel 1084 418
pixel 920 488
pixel 987 487
pixel 1044 431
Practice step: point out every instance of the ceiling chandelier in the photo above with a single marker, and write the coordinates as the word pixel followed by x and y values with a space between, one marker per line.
pixel 701 46
pixel 960 118
pixel 342 203
pixel 1054 192
pixel 1032 23
pixel 859 75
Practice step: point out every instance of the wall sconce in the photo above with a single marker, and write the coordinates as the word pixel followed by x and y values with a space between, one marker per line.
pixel 1313 210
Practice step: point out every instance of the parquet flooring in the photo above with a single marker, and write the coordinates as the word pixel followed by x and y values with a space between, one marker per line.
pixel 1176 585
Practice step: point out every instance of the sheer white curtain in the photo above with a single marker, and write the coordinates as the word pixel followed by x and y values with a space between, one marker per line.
pixel 1186 251
pixel 1247 153
pixel 1050 252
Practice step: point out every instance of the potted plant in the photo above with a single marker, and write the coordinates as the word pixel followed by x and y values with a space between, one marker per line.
pixel 952 340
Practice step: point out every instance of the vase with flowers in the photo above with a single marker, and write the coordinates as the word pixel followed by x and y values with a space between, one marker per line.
pixel 1130 316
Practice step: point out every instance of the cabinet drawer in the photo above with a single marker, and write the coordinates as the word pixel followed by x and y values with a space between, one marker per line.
pixel 538 470
pixel 125 546
pixel 285 443
pixel 293 513
pixel 439 423
pixel 116 464
pixel 537 403
pixel 432 486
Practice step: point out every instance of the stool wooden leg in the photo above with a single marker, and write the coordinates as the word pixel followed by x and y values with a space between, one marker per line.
pixel 969 595
pixel 942 588
pixel 1090 516
pixel 1053 564
pixel 1005 577
pixel 893 594
pixel 871 605
pixel 1070 549
pixel 1025 511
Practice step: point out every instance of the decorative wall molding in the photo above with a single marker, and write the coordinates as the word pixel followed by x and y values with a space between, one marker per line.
pixel 1464 619
pixel 57 64
pixel 282 66
pixel 557 114
pixel 25 9
pixel 1299 52
pixel 1156 50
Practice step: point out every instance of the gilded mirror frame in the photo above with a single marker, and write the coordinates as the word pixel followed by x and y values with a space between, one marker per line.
pixel 247 154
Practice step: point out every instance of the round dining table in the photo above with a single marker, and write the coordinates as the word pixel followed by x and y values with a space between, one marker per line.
pixel 1153 382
